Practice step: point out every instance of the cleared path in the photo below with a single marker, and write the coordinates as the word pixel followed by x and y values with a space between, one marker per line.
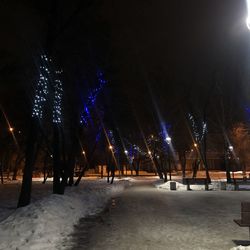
pixel 146 218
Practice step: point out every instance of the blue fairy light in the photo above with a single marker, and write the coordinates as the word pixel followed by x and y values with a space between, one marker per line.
pixel 91 99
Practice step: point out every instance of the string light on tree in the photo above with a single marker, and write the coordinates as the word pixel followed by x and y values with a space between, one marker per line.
pixel 91 99
pixel 133 148
pixel 204 129
pixel 194 127
pixel 41 90
pixel 112 142
pixel 58 94
pixel 198 133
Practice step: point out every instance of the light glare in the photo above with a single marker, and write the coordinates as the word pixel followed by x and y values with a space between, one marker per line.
pixel 248 10
pixel 248 22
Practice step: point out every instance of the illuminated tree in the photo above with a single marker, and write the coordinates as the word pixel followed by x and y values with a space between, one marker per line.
pixel 54 32
pixel 199 134
pixel 240 143
pixel 40 98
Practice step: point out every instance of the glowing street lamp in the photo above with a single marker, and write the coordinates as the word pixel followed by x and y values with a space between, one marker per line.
pixel 195 145
pixel 149 152
pixel 231 148
pixel 11 129
pixel 248 17
pixel 110 147
pixel 168 140
pixel 248 22
pixel 83 152
pixel 126 152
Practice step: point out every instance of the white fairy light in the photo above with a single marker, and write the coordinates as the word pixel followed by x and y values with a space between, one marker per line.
pixel 198 133
pixel 58 93
pixel 41 91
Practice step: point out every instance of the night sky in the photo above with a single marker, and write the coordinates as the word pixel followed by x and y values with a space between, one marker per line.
pixel 154 52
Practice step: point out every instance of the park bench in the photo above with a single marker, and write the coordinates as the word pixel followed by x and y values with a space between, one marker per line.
pixel 245 216
pixel 241 184
pixel 195 181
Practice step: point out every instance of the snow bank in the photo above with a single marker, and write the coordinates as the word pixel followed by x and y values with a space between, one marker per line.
pixel 166 185
pixel 44 223
pixel 215 185
pixel 241 248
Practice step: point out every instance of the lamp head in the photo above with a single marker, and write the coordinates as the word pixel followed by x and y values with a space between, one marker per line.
pixel 248 22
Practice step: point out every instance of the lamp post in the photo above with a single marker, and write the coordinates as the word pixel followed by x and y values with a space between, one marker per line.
pixel 169 140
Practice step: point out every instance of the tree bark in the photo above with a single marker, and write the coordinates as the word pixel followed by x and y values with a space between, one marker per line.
pixel 58 187
pixel 30 156
pixel 183 161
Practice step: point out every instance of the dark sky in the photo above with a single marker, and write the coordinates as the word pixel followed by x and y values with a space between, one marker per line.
pixel 162 49
pixel 153 50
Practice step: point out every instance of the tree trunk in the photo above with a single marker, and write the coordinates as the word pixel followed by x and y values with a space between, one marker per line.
pixel 227 168
pixel 58 187
pixel 30 155
pixel 195 166
pixel 1 172
pixel 170 168
pixel 183 161
pixel 71 167
pixel 45 167
pixel 204 157
pixel 158 168
pixel 17 162
pixel 87 164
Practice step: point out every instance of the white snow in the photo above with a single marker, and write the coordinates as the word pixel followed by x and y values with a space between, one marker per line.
pixel 50 219
pixel 148 218
pixel 215 185
pixel 241 248
pixel 45 222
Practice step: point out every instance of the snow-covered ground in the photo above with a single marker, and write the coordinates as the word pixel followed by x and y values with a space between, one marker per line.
pixel 148 218
pixel 49 218
pixel 144 217
pixel 216 185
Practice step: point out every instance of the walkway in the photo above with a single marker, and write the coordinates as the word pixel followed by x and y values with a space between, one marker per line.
pixel 146 218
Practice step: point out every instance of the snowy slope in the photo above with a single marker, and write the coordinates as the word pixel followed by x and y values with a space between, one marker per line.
pixel 44 223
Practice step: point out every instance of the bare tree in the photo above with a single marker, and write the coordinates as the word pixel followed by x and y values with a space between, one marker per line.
pixel 240 139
